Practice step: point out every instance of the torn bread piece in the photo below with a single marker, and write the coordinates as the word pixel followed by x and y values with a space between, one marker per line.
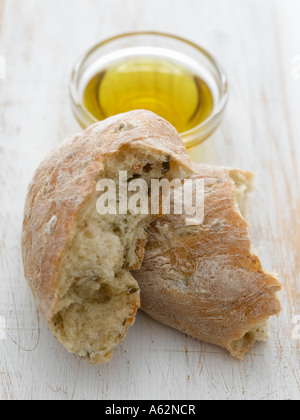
pixel 77 261
pixel 205 280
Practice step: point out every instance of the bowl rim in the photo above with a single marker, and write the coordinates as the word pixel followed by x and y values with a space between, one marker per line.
pixel 190 137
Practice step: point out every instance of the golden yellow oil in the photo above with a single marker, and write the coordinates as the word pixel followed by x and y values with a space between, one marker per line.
pixel 163 86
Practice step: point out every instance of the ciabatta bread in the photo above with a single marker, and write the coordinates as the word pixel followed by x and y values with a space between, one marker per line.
pixel 205 280
pixel 76 261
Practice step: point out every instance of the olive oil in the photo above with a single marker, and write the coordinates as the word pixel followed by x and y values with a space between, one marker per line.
pixel 163 86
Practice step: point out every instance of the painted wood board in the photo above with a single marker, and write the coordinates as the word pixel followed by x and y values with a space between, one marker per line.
pixel 257 41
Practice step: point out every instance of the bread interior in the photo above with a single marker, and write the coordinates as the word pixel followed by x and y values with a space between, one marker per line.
pixel 240 347
pixel 98 297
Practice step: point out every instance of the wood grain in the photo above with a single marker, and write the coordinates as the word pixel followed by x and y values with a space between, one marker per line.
pixel 256 40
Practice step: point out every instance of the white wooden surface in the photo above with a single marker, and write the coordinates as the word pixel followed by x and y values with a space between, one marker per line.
pixel 258 43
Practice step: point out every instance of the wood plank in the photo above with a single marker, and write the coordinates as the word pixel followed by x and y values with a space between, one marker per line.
pixel 256 41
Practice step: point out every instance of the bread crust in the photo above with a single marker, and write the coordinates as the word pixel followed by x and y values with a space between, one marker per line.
pixel 206 282
pixel 64 182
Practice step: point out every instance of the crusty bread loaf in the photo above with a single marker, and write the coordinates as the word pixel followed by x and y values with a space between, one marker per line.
pixel 76 261
pixel 205 280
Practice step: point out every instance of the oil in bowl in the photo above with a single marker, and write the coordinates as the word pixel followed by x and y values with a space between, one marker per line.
pixel 165 74
pixel 162 86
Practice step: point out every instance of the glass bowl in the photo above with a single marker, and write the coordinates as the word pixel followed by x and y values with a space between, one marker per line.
pixel 191 55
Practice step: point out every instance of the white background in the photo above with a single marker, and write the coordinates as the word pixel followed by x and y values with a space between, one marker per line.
pixel 258 42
